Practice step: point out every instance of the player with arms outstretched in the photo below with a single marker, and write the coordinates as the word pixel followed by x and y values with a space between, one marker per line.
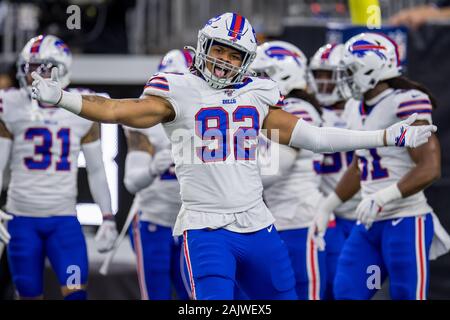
pixel 44 142
pixel 213 117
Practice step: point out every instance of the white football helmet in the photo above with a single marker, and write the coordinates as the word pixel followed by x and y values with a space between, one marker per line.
pixel 368 59
pixel 232 30
pixel 327 59
pixel 176 61
pixel 282 62
pixel 41 54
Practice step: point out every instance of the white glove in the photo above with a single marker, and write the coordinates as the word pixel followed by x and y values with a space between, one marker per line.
pixel 369 208
pixel 4 234
pixel 46 90
pixel 106 236
pixel 402 134
pixel 323 217
pixel 161 161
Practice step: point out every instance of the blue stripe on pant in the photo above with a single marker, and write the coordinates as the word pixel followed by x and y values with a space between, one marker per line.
pixel 308 264
pixel 335 238
pixel 257 262
pixel 397 248
pixel 59 238
pixel 159 261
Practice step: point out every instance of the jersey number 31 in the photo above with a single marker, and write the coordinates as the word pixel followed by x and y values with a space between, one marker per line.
pixel 42 159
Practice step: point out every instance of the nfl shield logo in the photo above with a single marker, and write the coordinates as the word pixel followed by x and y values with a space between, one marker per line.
pixel 229 92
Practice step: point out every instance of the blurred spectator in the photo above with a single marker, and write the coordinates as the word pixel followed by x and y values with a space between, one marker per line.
pixel 8 76
pixel 417 16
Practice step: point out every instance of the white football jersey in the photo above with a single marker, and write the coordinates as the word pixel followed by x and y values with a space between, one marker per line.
pixel 44 157
pixel 382 167
pixel 160 202
pixel 293 199
pixel 214 144
pixel 334 165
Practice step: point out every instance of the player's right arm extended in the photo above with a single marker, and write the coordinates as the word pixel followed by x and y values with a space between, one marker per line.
pixel 138 113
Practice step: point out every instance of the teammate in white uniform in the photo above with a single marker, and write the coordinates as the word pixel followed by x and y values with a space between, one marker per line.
pixel 44 142
pixel 150 173
pixel 396 229
pixel 294 196
pixel 213 117
pixel 325 68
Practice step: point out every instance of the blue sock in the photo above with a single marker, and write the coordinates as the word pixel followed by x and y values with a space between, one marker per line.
pixel 77 295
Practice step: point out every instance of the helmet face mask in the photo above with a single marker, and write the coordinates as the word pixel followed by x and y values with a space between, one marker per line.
pixel 326 75
pixel 220 31
pixel 41 54
pixel 42 67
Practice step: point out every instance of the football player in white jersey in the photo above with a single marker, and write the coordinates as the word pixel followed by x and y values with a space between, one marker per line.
pixel 213 117
pixel 150 174
pixel 43 142
pixel 395 234
pixel 294 195
pixel 325 68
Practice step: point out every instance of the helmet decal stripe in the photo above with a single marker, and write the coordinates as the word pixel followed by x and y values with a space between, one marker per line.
pixel 37 44
pixel 188 58
pixel 326 54
pixel 237 25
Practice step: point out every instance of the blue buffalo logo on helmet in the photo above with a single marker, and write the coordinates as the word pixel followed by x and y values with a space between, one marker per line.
pixel 281 53
pixel 61 45
pixel 361 47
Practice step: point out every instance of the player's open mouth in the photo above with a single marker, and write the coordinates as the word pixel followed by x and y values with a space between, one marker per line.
pixel 220 72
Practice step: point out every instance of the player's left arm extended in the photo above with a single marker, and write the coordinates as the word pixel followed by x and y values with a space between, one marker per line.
pixel 138 113
pixel 427 158
pixel 300 134
pixel 98 184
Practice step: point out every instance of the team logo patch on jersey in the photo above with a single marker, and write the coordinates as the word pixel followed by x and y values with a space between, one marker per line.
pixel 229 92
pixel 362 47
